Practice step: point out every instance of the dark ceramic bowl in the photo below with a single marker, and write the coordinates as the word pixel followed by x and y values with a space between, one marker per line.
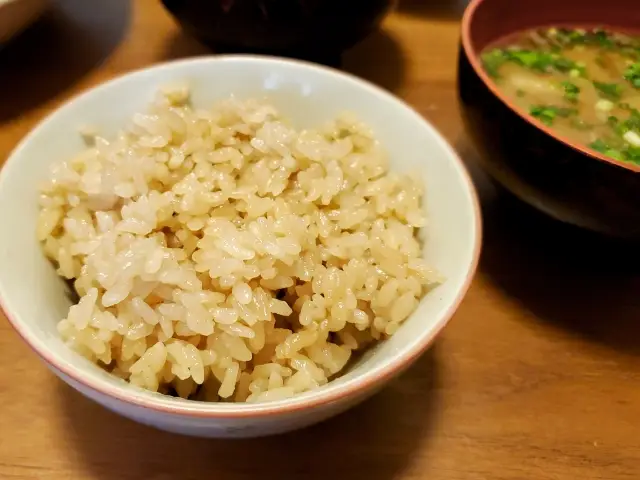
pixel 311 29
pixel 563 179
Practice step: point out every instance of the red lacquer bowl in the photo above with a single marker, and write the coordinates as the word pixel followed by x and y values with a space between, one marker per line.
pixel 565 180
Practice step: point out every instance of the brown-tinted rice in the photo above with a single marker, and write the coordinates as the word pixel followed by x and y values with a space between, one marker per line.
pixel 223 255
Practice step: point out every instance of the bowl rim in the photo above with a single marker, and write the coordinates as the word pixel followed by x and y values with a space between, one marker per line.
pixel 359 384
pixel 474 59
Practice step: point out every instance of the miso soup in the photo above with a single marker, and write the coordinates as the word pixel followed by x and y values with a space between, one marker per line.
pixel 584 84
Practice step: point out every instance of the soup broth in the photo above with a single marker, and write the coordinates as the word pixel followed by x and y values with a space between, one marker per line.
pixel 583 84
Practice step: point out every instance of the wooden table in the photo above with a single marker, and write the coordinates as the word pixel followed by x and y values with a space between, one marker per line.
pixel 536 377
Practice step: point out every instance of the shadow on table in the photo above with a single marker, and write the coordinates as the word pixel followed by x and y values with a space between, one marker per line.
pixel 374 441
pixel 435 9
pixel 72 38
pixel 575 279
pixel 378 58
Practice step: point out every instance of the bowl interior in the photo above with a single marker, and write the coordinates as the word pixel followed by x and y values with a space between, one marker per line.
pixel 33 296
pixel 486 22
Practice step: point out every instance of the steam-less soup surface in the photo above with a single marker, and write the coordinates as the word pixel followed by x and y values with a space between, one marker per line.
pixel 583 84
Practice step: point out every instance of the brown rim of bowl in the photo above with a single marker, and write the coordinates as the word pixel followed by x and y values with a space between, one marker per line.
pixel 244 410
pixel 474 59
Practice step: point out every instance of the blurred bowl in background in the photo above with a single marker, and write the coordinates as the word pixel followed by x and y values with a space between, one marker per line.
pixel 563 179
pixel 318 30
pixel 16 15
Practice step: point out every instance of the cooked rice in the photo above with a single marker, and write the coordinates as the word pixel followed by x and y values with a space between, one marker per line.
pixel 222 255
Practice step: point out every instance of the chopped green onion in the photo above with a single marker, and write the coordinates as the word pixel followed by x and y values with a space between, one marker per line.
pixel 493 60
pixel 602 38
pixel 568 36
pixel 530 59
pixel 631 123
pixel 632 154
pixel 632 74
pixel 602 147
pixel 610 90
pixel 571 91
pixel 540 61
pixel 628 154
pixel 547 113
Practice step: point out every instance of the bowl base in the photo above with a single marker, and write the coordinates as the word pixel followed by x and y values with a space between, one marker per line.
pixel 538 201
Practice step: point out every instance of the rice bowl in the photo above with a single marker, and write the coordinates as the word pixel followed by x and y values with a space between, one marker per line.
pixel 310 97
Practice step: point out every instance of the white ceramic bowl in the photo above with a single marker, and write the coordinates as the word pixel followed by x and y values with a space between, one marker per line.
pixel 16 15
pixel 33 298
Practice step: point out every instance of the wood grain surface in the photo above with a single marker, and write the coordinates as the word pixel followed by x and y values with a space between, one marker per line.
pixel 535 378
